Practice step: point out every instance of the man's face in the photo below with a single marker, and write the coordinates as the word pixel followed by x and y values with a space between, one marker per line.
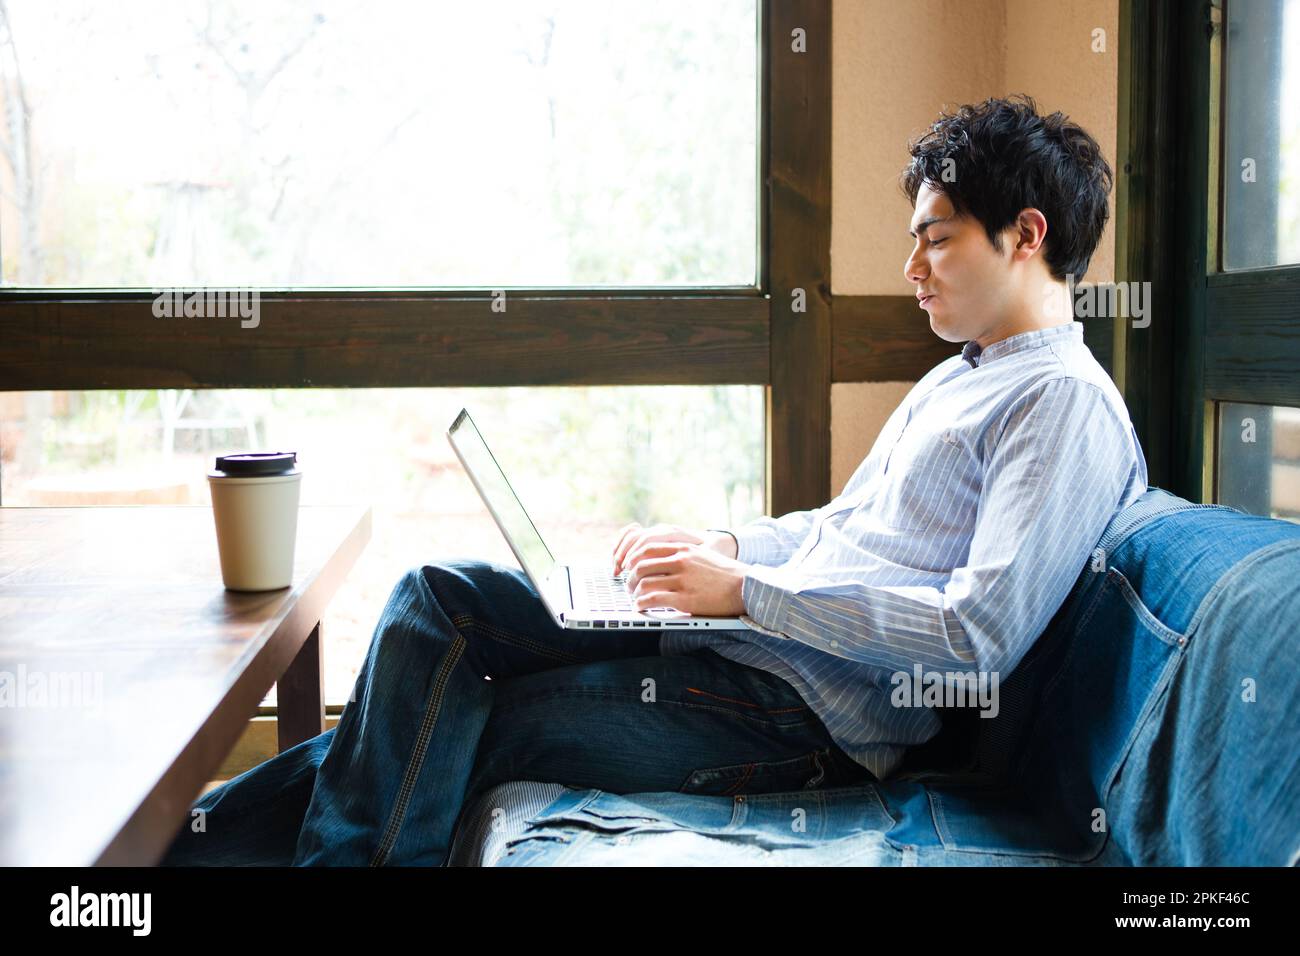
pixel 967 282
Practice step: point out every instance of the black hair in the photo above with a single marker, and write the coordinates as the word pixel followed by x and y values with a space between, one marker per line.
pixel 995 158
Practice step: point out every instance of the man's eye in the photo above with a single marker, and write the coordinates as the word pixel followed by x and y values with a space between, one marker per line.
pixel 935 242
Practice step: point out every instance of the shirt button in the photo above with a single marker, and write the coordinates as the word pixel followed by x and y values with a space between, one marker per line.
pixel 835 643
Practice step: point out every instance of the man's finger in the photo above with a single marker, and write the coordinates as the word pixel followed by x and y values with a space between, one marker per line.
pixel 653 570
pixel 622 533
pixel 636 540
pixel 625 539
pixel 656 599
pixel 652 549
pixel 656 582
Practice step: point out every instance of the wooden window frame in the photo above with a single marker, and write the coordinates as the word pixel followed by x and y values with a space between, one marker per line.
pixel 1214 336
pixel 88 339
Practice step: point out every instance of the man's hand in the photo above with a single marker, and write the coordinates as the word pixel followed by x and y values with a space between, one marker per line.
pixel 634 536
pixel 687 576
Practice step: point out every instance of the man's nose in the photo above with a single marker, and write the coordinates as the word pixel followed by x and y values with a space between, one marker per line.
pixel 915 268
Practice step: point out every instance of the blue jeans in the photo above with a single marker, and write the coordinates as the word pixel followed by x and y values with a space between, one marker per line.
pixel 427 731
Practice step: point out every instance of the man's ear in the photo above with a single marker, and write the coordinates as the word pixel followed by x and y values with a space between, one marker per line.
pixel 1030 233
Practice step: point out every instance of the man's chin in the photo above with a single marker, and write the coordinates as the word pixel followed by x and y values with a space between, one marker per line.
pixel 941 329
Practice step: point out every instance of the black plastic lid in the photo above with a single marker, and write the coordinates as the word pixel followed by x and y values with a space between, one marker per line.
pixel 257 464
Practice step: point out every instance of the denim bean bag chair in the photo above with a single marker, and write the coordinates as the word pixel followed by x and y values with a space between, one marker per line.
pixel 1155 722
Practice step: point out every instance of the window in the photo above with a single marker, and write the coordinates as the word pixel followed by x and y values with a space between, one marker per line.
pixel 1253 324
pixel 349 148
pixel 1259 459
pixel 1262 134
pixel 1211 168
pixel 494 144
pixel 584 461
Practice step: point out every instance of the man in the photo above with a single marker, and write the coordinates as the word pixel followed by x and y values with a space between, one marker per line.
pixel 951 547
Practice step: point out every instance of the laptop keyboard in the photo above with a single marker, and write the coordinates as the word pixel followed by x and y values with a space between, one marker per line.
pixel 607 592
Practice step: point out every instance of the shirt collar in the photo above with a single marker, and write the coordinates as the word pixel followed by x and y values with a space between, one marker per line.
pixel 974 355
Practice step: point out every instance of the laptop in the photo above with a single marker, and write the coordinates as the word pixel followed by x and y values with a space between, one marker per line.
pixel 578 597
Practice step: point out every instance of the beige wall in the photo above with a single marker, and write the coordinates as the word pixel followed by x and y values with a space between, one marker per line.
pixel 895 66
pixel 1049 55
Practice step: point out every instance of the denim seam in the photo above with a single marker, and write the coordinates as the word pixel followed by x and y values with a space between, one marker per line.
pixel 818 811
pixel 502 707
pixel 811 718
pixel 846 792
pixel 531 846
pixel 818 780
pixel 740 783
pixel 944 833
pixel 747 703
pixel 580 839
pixel 547 813
pixel 1161 630
pixel 1091 609
pixel 432 711
pixel 463 621
pixel 748 768
pixel 586 833
pixel 1117 579
pixel 880 802
pixel 1174 662
pixel 739 814
pixel 850 845
pixel 1240 567
pixel 1149 512
pixel 1156 695
pixel 525 849
pixel 508 637
pixel 1161 688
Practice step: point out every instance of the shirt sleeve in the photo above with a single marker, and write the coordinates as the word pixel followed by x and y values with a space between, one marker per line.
pixel 1053 480
pixel 771 541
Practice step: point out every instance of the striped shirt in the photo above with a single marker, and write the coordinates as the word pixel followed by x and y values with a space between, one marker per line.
pixel 952 545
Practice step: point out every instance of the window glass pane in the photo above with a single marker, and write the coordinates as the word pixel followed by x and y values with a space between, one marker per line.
pixel 1261 172
pixel 497 143
pixel 1259 459
pixel 584 462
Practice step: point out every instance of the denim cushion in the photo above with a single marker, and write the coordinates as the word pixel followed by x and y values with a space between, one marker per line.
pixel 1120 722
pixel 1154 722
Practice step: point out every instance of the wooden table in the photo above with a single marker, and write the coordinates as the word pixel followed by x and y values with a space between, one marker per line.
pixel 151 670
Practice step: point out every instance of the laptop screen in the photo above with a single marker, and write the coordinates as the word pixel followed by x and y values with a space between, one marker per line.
pixel 500 498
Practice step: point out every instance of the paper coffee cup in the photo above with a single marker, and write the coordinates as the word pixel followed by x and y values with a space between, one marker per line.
pixel 255 509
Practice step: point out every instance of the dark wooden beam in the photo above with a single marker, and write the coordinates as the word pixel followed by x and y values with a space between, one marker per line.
pixel 1185 333
pixel 1145 207
pixel 883 338
pixel 300 694
pixel 798 240
pixel 388 341
pixel 1252 348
